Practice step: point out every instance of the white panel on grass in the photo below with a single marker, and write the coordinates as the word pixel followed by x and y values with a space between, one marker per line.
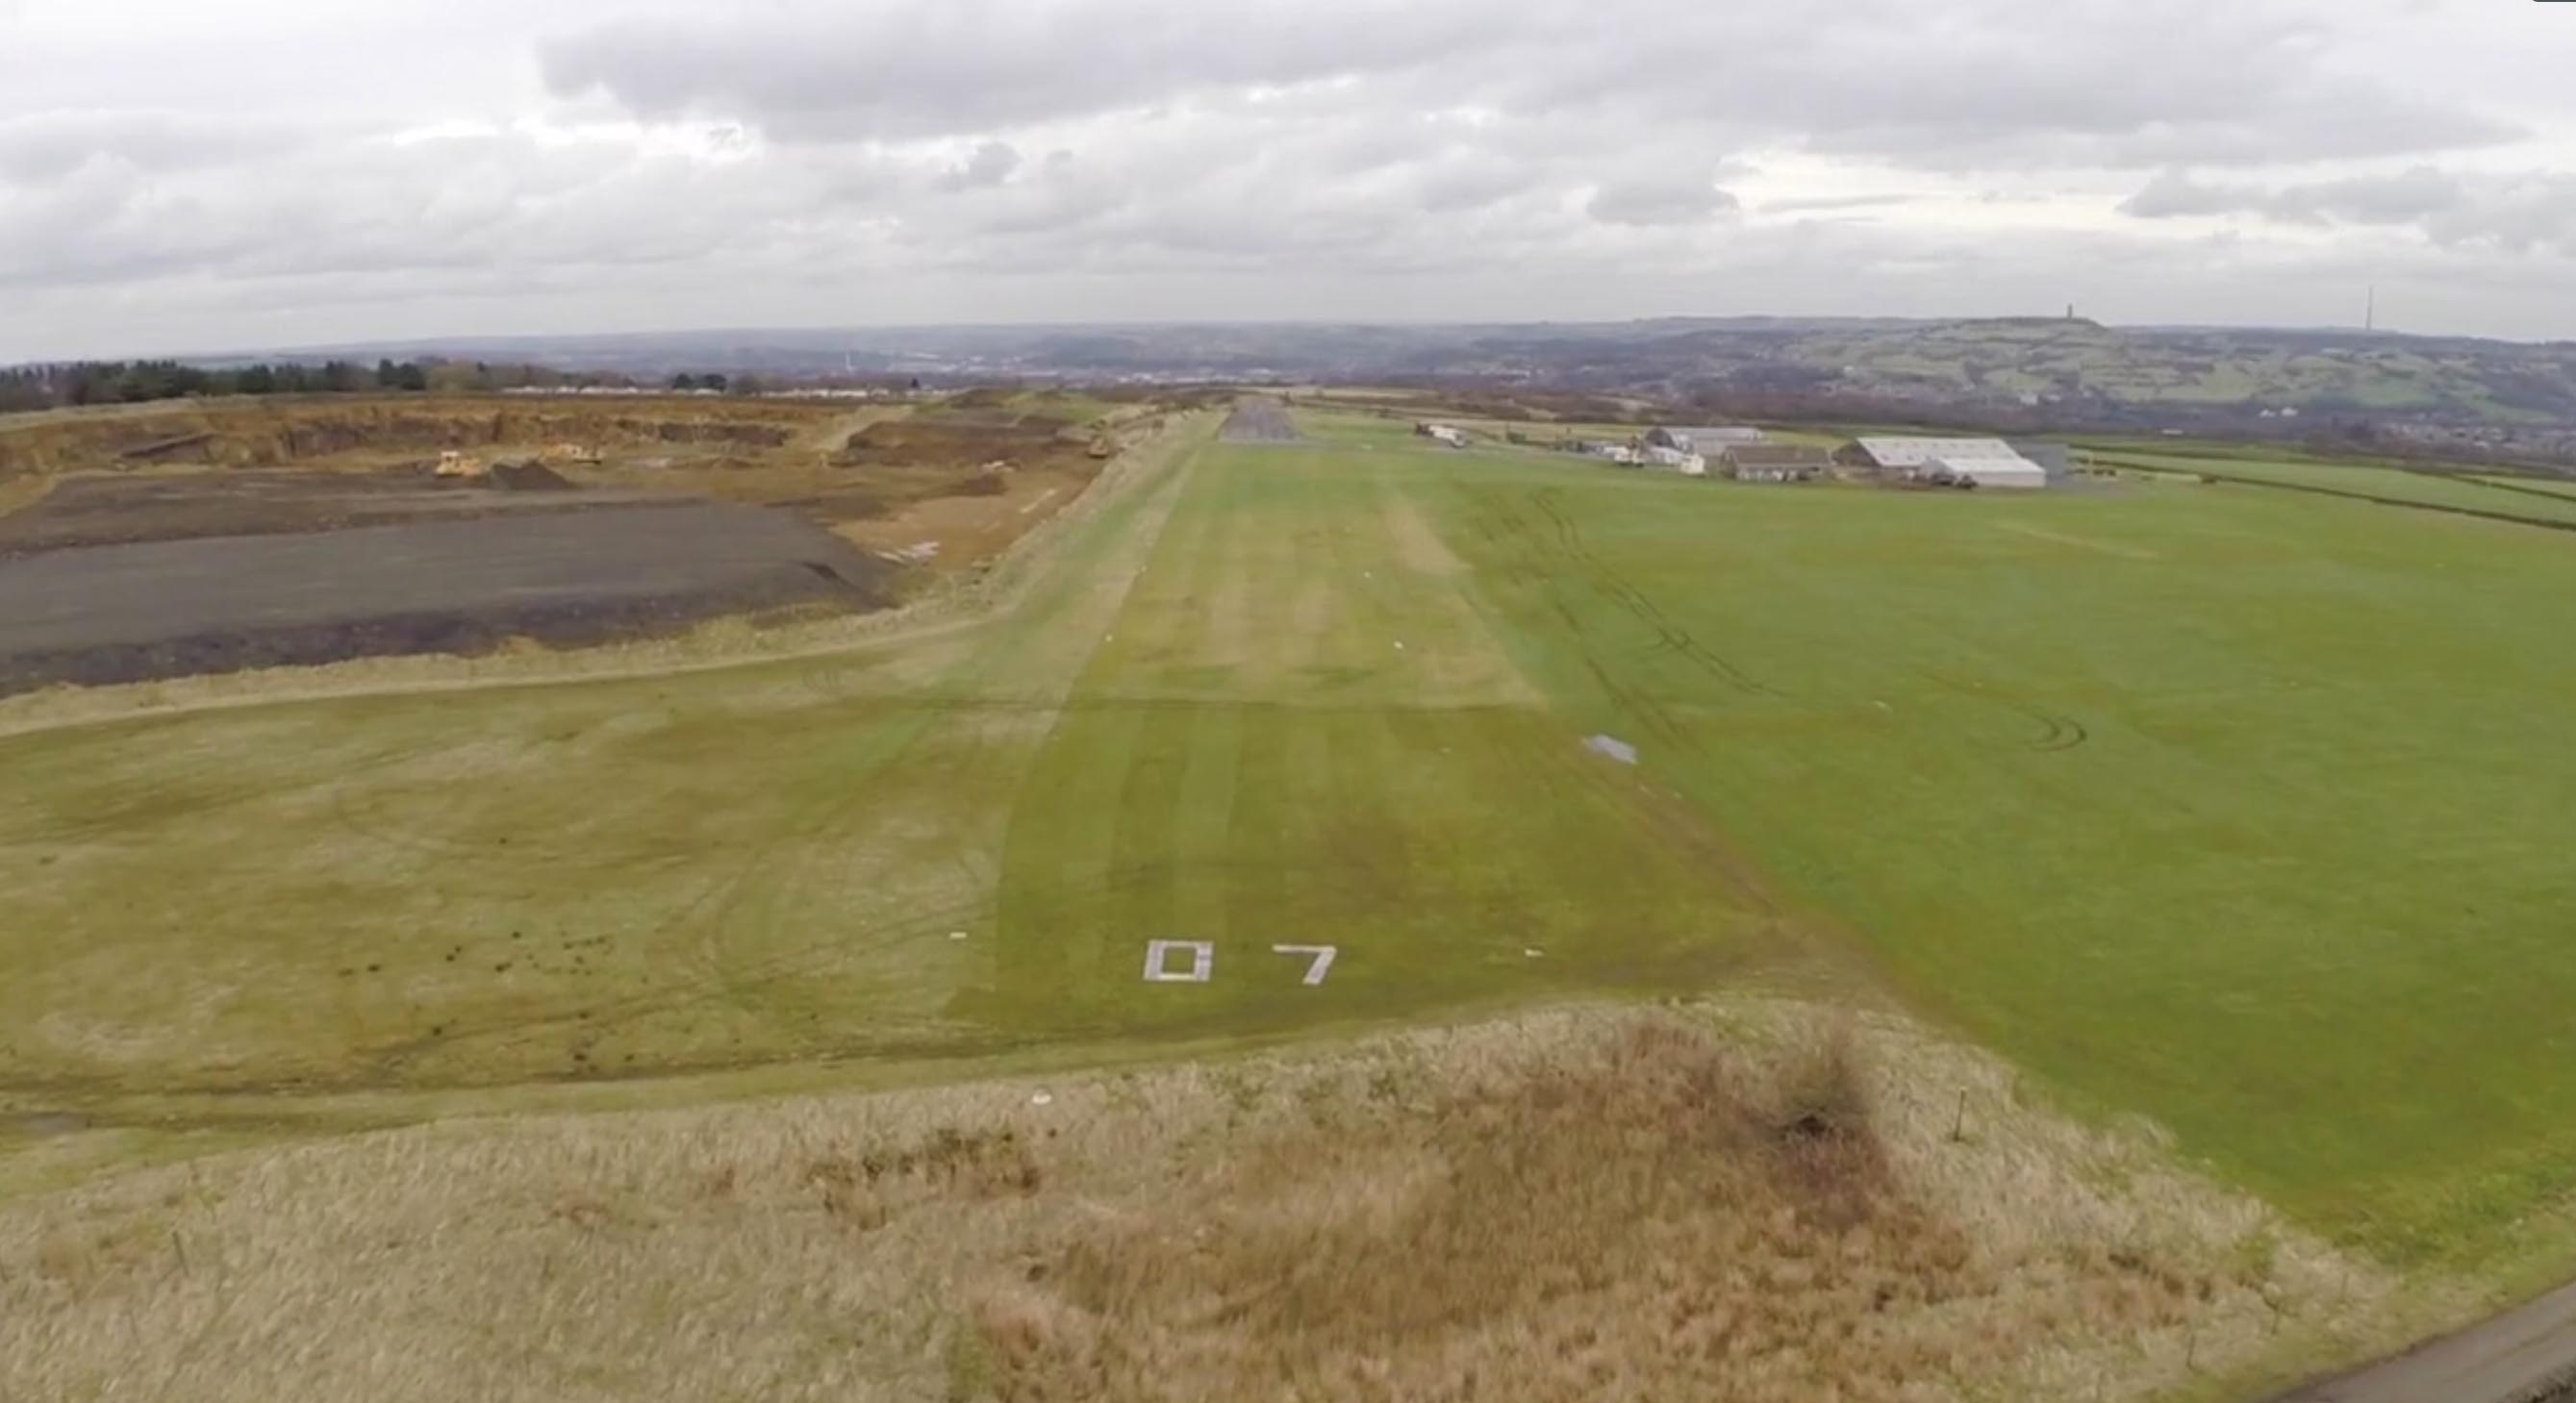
pixel 1158 962
pixel 1321 955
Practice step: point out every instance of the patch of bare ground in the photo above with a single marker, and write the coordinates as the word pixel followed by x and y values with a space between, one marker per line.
pixel 948 604
pixel 1761 1203
pixel 971 525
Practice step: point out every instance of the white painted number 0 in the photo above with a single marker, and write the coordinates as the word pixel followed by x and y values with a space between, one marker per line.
pixel 1158 962
pixel 1321 954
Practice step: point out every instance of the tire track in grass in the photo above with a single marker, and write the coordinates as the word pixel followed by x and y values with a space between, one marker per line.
pixel 1523 542
pixel 2057 731
pixel 1617 589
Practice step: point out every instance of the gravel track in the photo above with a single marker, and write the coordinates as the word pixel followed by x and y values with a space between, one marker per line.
pixel 2526 1355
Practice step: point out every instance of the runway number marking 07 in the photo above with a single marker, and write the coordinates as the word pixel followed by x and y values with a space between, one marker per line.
pixel 1162 957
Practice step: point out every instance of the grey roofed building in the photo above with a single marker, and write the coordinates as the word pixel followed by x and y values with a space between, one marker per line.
pixel 1776 462
pixel 1904 454
pixel 1708 441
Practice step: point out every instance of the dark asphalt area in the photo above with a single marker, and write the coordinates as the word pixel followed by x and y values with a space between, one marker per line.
pixel 122 613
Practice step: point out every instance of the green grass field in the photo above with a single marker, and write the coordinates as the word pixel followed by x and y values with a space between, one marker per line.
pixel 2554 486
pixel 2460 491
pixel 2242 811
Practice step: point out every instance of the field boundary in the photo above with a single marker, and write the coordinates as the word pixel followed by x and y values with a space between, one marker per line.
pixel 2348 494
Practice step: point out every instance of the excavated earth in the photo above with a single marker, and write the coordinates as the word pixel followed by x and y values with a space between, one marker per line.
pixel 173 540
pixel 130 612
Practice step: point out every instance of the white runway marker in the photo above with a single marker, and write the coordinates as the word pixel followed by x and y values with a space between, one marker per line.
pixel 1322 955
pixel 1532 954
pixel 1158 962
pixel 1042 1099
pixel 957 935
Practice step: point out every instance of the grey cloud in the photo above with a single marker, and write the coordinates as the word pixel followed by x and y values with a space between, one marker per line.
pixel 1457 181
pixel 2406 197
pixel 505 205
pixel 810 71
pixel 1254 152
pixel 2515 212
pixel 48 146
pixel 1652 202
pixel 1837 202
pixel 991 164
pixel 1969 83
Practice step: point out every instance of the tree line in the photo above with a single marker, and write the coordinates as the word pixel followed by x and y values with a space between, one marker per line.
pixel 77 383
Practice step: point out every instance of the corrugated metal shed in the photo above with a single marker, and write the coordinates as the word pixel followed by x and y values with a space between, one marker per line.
pixel 1902 453
pixel 2006 469
pixel 2055 459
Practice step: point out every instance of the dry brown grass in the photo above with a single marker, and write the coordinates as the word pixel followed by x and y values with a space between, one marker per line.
pixel 1762 1203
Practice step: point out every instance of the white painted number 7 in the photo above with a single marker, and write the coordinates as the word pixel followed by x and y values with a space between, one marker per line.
pixel 1321 954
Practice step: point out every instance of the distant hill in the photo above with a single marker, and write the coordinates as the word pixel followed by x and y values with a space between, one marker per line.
pixel 2057 369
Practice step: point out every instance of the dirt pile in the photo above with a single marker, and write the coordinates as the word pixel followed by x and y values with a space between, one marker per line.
pixel 530 477
pixel 966 442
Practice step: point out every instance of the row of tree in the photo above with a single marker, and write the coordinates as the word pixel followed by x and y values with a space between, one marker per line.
pixel 135 382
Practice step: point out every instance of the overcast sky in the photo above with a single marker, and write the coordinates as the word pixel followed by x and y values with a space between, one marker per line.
pixel 183 175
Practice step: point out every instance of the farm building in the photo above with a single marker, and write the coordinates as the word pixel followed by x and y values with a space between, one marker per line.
pixel 2014 471
pixel 1775 462
pixel 2055 459
pixel 1707 442
pixel 1987 462
pixel 1678 460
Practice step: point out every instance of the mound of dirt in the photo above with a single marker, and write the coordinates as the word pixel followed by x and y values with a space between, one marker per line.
pixel 965 445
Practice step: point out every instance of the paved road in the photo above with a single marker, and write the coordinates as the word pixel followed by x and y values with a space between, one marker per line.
pixel 2526 1355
